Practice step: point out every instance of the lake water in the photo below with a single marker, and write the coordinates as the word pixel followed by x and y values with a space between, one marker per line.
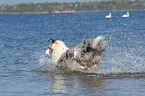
pixel 26 71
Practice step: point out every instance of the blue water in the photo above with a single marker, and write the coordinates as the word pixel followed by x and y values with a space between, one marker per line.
pixel 26 71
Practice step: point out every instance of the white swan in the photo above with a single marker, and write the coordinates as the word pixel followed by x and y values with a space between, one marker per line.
pixel 126 15
pixel 108 16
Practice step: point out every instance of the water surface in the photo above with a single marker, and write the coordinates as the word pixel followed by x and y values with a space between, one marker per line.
pixel 25 69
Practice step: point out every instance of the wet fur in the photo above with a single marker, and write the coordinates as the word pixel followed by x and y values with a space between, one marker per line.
pixel 86 55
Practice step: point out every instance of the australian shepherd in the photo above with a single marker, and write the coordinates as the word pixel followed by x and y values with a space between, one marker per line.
pixel 84 56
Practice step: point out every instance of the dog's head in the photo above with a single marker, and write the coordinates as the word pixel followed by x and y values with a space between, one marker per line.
pixel 50 50
pixel 56 48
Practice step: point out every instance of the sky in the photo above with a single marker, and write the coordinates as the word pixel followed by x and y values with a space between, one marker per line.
pixel 12 2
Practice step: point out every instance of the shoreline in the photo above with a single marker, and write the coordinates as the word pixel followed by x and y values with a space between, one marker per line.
pixel 73 7
pixel 62 12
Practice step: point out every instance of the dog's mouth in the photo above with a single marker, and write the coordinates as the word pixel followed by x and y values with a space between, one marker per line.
pixel 51 50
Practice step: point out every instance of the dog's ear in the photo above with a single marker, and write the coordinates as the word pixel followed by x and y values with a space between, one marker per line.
pixel 51 40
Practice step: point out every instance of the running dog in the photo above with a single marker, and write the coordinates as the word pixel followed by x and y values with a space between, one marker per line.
pixel 84 56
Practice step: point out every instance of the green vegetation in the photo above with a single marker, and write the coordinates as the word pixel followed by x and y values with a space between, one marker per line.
pixel 63 7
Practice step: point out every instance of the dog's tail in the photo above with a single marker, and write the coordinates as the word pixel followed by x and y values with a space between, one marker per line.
pixel 99 43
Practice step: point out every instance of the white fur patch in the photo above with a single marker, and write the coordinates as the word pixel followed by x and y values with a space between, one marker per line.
pixel 58 48
pixel 47 52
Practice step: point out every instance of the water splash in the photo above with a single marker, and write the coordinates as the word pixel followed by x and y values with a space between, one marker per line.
pixel 121 56
pixel 118 60
pixel 46 64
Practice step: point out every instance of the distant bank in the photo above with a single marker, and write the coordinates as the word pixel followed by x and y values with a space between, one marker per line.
pixel 75 7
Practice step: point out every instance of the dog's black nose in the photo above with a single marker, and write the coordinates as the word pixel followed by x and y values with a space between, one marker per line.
pixel 51 40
